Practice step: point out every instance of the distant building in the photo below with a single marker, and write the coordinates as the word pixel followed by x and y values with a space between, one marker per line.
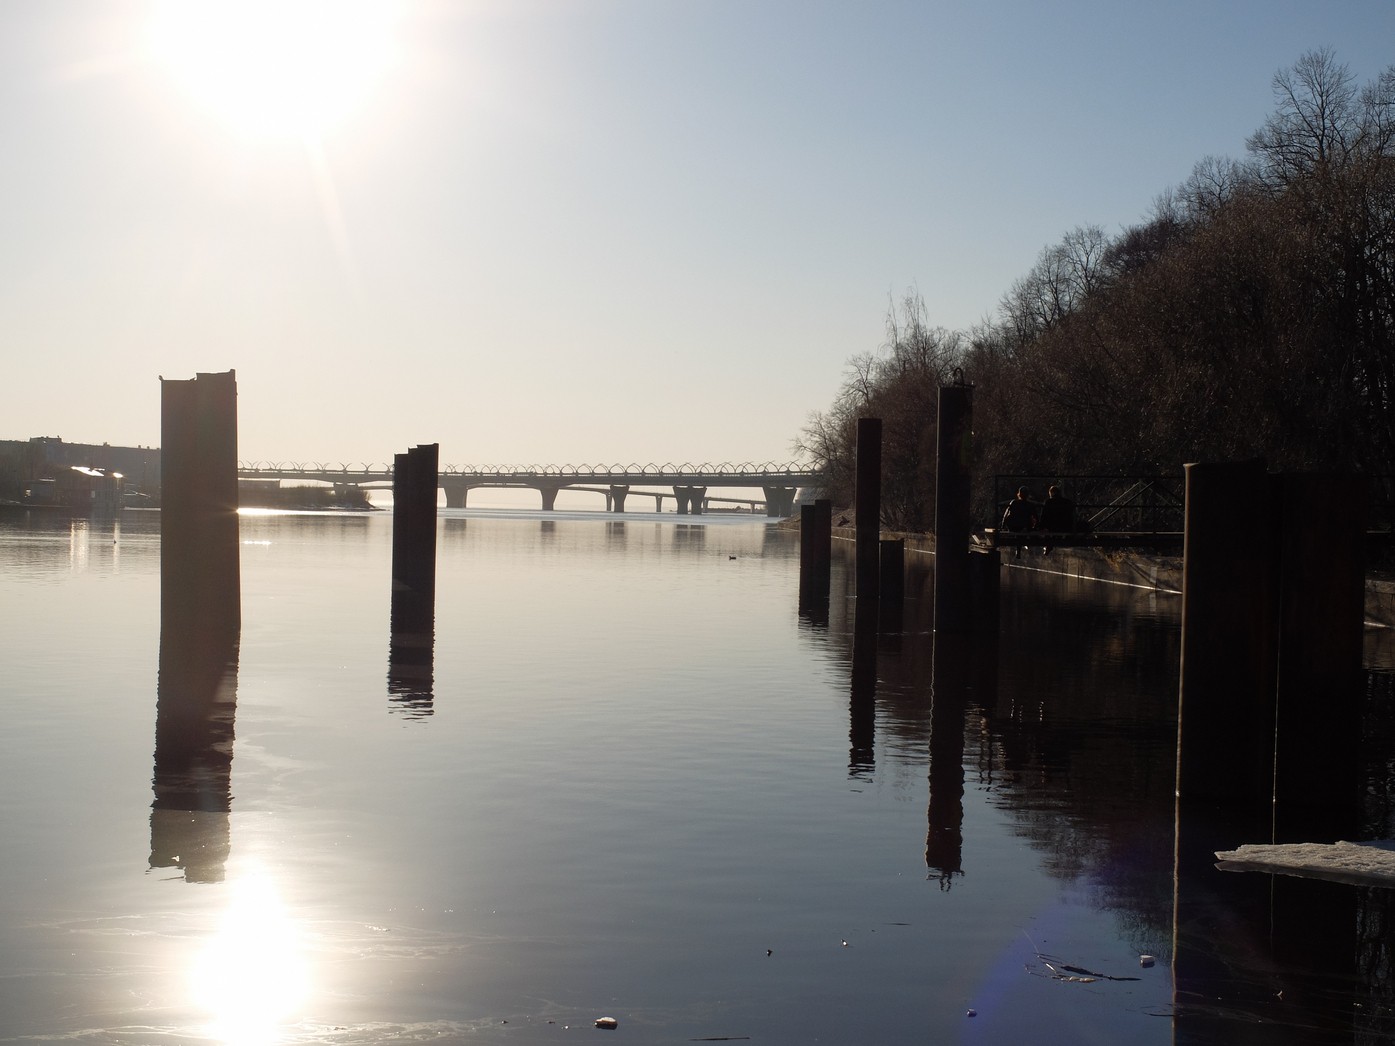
pixel 45 472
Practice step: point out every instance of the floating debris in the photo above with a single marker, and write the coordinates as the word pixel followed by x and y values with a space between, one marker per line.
pixel 1146 960
pixel 971 1013
pixel 607 1022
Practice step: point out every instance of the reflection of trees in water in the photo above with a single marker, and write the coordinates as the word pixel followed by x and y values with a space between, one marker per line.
pixel 1072 734
pixel 1069 727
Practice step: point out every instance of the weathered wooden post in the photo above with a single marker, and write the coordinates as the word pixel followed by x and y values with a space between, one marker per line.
pixel 867 515
pixel 953 445
pixel 1225 714
pixel 1317 769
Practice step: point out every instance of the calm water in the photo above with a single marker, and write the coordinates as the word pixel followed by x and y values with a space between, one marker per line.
pixel 632 781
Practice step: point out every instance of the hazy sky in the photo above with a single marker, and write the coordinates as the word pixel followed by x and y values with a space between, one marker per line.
pixel 570 231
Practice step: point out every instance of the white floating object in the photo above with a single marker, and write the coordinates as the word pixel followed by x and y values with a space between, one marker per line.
pixel 607 1022
pixel 1146 960
pixel 972 1013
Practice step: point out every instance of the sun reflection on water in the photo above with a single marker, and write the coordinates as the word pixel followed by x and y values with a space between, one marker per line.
pixel 252 977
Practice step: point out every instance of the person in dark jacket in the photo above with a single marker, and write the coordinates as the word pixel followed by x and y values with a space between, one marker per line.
pixel 1057 515
pixel 1020 516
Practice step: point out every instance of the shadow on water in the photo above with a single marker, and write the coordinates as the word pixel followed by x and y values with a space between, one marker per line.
pixel 1068 726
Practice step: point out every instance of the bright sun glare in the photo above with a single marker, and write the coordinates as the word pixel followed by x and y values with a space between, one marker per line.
pixel 275 68
pixel 252 975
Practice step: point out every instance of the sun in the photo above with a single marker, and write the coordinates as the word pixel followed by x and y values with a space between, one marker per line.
pixel 287 69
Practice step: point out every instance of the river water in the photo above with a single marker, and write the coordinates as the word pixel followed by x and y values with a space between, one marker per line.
pixel 630 780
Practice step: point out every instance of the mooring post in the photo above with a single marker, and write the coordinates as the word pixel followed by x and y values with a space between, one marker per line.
pixel 867 514
pixel 1317 775
pixel 1226 708
pixel 953 445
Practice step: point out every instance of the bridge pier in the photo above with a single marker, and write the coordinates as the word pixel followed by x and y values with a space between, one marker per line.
pixel 456 494
pixel 549 498
pixel 779 501
pixel 690 500
pixel 616 497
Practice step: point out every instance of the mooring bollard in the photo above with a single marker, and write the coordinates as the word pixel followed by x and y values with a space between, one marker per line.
pixel 868 509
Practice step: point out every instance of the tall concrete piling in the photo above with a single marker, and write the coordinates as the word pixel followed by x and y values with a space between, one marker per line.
pixel 414 480
pixel 1268 729
pixel 953 446
pixel 815 559
pixel 1272 615
pixel 1225 743
pixel 200 626
pixel 1317 767
pixel 891 583
pixel 200 569
pixel 867 514
pixel 411 643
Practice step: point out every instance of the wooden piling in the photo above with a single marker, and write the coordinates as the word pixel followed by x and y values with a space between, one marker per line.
pixel 867 514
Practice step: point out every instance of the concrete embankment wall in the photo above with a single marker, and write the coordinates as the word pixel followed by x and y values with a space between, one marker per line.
pixel 1140 569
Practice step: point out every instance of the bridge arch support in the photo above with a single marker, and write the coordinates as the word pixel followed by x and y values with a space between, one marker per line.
pixel 457 493
pixel 779 501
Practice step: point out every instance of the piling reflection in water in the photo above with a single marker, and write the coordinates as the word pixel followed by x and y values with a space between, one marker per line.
pixel 196 706
pixel 412 653
pixel 862 704
pixel 949 704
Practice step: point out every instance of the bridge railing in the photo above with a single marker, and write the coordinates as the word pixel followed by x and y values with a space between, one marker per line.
pixel 563 473
pixel 1151 504
pixel 1117 504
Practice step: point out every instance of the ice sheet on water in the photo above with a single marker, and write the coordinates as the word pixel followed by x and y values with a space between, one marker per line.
pixel 1371 863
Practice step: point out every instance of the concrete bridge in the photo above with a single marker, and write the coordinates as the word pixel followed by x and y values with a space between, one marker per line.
pixel 687 484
